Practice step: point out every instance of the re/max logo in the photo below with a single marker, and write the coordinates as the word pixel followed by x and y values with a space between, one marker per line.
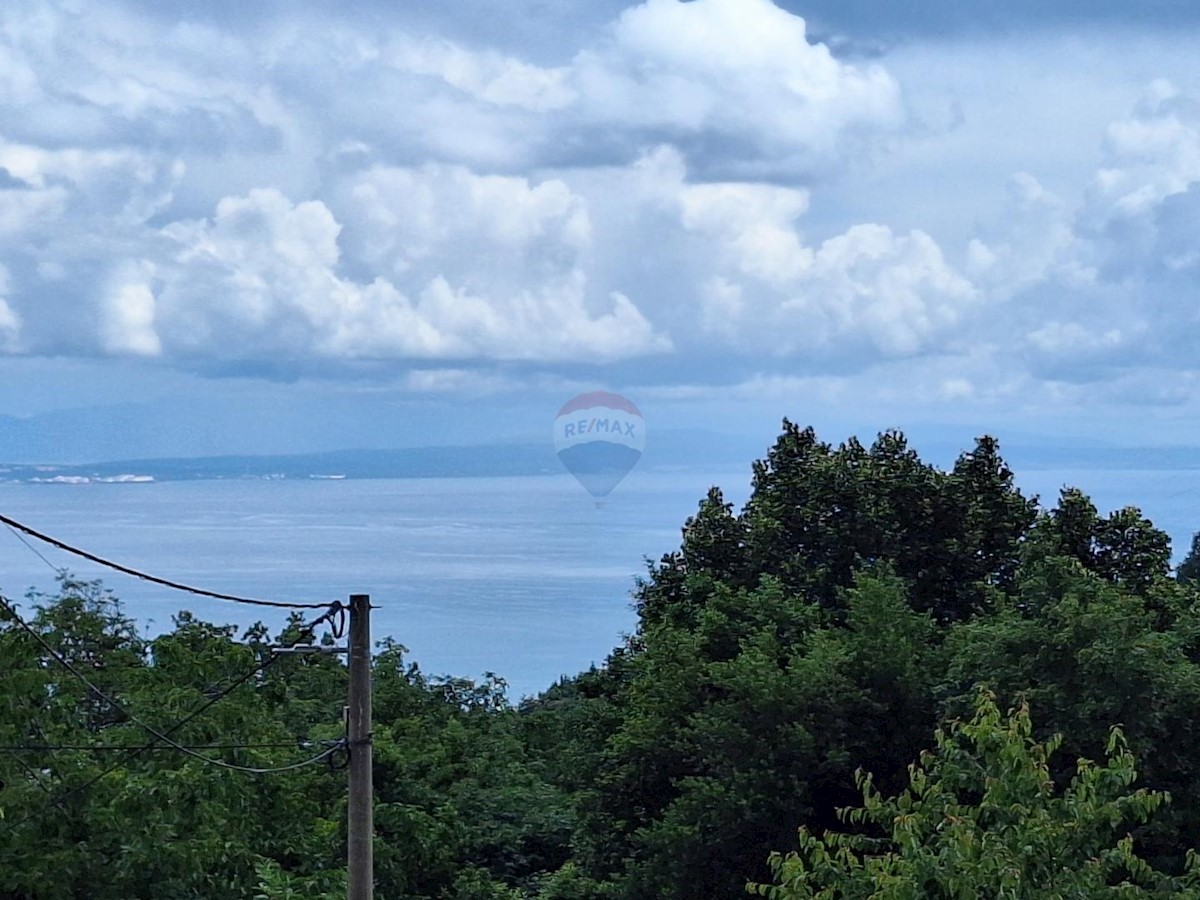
pixel 599 426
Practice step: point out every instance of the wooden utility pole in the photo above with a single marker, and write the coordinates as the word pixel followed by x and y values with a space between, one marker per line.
pixel 361 823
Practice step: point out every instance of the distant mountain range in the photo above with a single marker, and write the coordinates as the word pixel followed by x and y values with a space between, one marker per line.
pixel 670 450
pixel 679 449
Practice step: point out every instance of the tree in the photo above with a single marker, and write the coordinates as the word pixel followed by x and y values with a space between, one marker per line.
pixel 1189 570
pixel 818 515
pixel 849 607
pixel 734 731
pixel 1086 652
pixel 1123 547
pixel 981 817
pixel 462 812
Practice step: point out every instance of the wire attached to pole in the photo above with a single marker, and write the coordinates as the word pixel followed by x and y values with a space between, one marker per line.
pixel 149 729
pixel 145 576
pixel 335 613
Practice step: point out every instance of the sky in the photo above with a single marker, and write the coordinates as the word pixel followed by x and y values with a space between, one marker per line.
pixel 281 226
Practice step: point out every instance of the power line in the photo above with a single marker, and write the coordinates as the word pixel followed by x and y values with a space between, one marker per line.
pixel 149 729
pixel 32 549
pixel 104 773
pixel 144 576
pixel 331 748
pixel 127 748
pixel 35 777
pixel 334 615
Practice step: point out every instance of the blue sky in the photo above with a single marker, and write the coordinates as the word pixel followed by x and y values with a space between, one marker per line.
pixel 273 226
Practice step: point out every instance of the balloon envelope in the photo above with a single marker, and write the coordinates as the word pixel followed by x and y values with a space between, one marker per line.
pixel 599 437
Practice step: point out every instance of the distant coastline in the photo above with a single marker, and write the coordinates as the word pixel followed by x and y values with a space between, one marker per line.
pixel 417 462
pixel 669 451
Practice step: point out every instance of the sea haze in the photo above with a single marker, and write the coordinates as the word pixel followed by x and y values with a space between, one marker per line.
pixel 522 576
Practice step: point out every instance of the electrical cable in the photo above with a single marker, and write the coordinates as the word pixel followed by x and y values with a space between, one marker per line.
pixel 127 748
pixel 335 613
pixel 32 549
pixel 144 576
pixel 34 776
pixel 104 773
pixel 149 729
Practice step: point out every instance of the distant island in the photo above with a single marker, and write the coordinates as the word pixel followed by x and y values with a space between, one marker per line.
pixel 415 462
pixel 670 449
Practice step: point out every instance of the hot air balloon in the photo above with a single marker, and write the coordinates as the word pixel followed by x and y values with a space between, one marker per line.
pixel 599 437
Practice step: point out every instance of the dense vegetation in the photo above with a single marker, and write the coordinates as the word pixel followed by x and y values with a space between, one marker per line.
pixel 813 705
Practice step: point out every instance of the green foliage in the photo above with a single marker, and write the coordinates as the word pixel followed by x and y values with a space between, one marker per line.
pixel 853 605
pixel 817 515
pixel 850 607
pixel 734 730
pixel 981 816
pixel 1123 547
pixel 1189 570
pixel 276 884
pixel 461 814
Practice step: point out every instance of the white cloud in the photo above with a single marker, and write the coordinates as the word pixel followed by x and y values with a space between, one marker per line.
pixel 262 277
pixel 739 72
pixel 400 216
pixel 896 289
pixel 1117 285
pixel 10 323
pixel 129 308
pixel 1035 242
pixel 18 81
pixel 744 69
pixel 310 187
pixel 552 325
pixel 1151 155
pixel 755 226
pixel 27 210
pixel 96 189
pixel 488 76
pixel 764 288
pixel 122 133
pixel 722 303
pixel 1071 338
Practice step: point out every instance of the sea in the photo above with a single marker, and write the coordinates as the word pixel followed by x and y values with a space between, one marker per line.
pixel 524 577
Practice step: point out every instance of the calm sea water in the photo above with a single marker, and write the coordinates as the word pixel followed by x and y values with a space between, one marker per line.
pixel 524 577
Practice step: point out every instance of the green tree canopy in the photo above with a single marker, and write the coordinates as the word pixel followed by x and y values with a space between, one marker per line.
pixel 982 817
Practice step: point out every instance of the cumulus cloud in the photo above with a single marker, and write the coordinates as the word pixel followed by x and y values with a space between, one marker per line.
pixel 491 77
pixel 129 309
pixel 712 76
pixel 739 70
pixel 1120 268
pixel 670 184
pixel 1151 155
pixel 262 278
pixel 400 217
pixel 10 324
pixel 25 210
pixel 1036 242
pixel 190 193
pixel 45 184
pixel 867 290
pixel 897 289
pixel 754 225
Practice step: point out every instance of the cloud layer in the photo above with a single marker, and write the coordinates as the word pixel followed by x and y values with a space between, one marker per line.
pixel 669 189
